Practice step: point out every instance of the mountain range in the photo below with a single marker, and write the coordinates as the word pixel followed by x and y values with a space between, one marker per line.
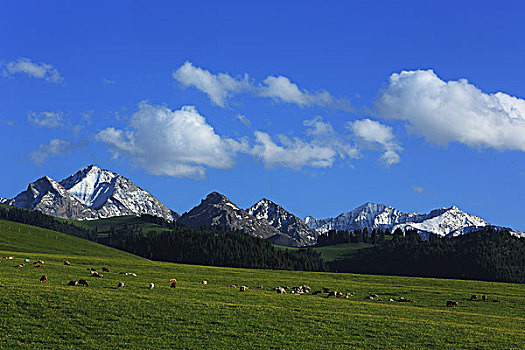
pixel 95 193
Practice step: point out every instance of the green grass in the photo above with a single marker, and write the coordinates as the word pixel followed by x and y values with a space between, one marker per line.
pixel 334 252
pixel 52 315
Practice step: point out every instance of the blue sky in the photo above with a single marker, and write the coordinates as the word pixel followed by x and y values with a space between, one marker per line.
pixel 318 106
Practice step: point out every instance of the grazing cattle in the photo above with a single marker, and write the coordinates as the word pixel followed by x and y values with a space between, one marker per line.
pixel 96 274
pixel 43 278
pixel 280 290
pixel 260 287
pixel 401 299
pixel 20 266
pixel 120 285
pixel 306 288
pixel 173 285
pixel 204 282
pixel 151 286
pixel 391 300
pixel 243 288
pixel 232 286
pixel 40 262
pixel 83 282
pixel 484 297
pixel 474 297
pixel 105 269
pixel 374 295
pixel 349 295
pixel 72 283
pixel 27 260
pixel 39 265
pixel 496 301
pixel 369 297
pixel 332 294
pixel 452 303
pixel 67 263
pixel 173 280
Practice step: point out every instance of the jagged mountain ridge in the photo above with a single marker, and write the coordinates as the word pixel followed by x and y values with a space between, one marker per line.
pixel 91 193
pixel 284 221
pixel 217 209
pixel 444 222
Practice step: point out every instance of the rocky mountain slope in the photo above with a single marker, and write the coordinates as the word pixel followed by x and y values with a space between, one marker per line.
pixel 216 209
pixel 444 222
pixel 91 193
pixel 284 221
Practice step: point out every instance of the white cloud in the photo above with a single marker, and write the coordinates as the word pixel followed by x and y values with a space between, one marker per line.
pixel 176 143
pixel 220 87
pixel 47 119
pixel 283 90
pixel 323 147
pixel 292 153
pixel 243 119
pixel 454 111
pixel 419 189
pixel 53 148
pixel 34 69
pixel 373 134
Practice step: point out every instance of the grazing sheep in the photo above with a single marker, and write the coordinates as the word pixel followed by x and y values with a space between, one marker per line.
pixel 204 282
pixel 67 263
pixel 391 300
pixel 43 278
pixel 474 297
pixel 151 286
pixel 243 288
pixel 120 285
pixel 72 283
pixel 484 297
pixel 452 303
pixel 105 269
pixel 173 285
pixel 27 260
pixel 83 282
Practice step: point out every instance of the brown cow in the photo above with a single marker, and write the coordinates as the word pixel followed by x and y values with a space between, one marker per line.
pixel 83 282
pixel 484 297
pixel 43 278
pixel 72 283
pixel 173 285
pixel 105 269
pixel 452 303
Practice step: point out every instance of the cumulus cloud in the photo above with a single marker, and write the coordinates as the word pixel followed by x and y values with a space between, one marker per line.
pixel 220 87
pixel 54 148
pixel 34 69
pixel 454 111
pixel 320 150
pixel 177 143
pixel 46 119
pixel 373 134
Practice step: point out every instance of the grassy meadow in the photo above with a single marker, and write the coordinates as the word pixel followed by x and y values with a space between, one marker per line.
pixel 52 315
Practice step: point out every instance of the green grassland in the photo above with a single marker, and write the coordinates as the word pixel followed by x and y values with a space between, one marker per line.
pixel 52 315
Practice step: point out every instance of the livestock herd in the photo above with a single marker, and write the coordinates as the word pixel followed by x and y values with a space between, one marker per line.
pixel 298 290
